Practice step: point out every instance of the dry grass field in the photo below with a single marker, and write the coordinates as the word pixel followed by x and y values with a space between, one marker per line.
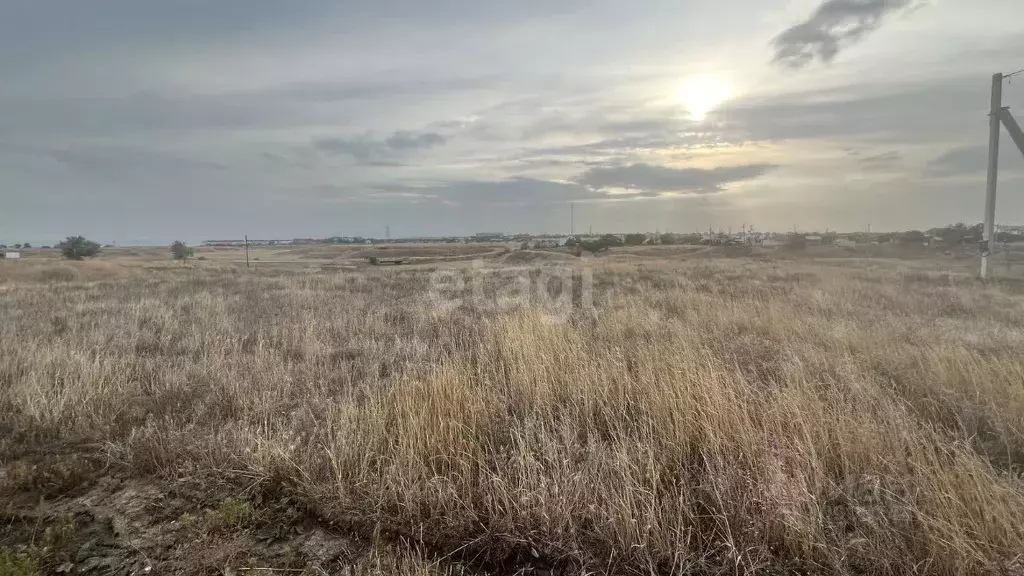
pixel 711 413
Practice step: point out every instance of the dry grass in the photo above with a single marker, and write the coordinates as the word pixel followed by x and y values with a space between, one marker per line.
pixel 719 416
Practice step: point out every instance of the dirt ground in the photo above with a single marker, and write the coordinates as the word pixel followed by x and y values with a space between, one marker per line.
pixel 66 512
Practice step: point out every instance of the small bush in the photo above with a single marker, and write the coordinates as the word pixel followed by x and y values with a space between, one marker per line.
pixel 181 251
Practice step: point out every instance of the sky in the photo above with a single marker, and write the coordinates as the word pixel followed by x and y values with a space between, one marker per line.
pixel 145 121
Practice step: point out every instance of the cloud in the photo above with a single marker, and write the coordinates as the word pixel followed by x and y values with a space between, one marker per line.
pixel 883 160
pixel 375 89
pixel 115 162
pixel 370 151
pixel 519 192
pixel 833 26
pixel 967 160
pixel 656 179
pixel 963 160
pixel 881 113
pixel 508 192
pixel 405 140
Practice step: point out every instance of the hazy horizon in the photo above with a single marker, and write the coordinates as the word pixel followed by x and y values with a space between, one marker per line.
pixel 144 122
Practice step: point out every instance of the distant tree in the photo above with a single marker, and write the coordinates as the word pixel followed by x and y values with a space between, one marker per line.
pixel 3 245
pixel 181 251
pixel 635 239
pixel 912 237
pixel 958 233
pixel 26 245
pixel 609 240
pixel 1009 237
pixel 603 243
pixel 798 241
pixel 46 247
pixel 572 242
pixel 78 248
pixel 17 245
pixel 668 239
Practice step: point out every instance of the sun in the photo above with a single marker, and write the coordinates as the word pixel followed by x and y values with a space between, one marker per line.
pixel 702 94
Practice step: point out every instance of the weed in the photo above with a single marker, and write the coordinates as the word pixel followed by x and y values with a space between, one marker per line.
pixel 232 513
pixel 16 564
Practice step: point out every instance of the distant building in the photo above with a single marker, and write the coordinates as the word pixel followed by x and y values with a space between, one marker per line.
pixel 845 242
pixel 489 236
pixel 11 255
pixel 224 243
pixel 242 242
pixel 813 238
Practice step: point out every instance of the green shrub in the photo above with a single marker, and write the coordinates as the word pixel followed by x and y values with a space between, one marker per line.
pixel 181 251
pixel 78 248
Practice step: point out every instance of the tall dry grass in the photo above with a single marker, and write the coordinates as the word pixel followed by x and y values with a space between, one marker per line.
pixel 722 416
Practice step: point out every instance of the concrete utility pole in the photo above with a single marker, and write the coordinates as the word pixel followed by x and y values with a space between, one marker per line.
pixel 994 114
pixel 997 115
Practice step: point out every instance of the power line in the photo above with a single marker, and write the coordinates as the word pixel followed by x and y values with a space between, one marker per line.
pixel 1012 74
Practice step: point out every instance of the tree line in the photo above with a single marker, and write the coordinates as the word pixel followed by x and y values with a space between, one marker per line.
pixel 80 248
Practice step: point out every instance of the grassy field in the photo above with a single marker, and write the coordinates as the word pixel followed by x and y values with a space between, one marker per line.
pixel 696 411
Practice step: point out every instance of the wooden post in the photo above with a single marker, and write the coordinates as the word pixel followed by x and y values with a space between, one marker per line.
pixel 246 250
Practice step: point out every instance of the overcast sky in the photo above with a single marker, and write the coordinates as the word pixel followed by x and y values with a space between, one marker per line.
pixel 147 121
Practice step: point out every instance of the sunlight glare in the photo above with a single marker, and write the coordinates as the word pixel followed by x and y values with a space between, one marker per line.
pixel 702 94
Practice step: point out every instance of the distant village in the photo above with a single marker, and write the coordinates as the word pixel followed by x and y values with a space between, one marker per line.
pixel 957 234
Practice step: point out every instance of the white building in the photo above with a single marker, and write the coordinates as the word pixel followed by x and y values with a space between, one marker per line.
pixel 12 255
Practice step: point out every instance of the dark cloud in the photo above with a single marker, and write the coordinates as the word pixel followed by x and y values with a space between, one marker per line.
pixel 973 160
pixel 834 25
pixel 908 113
pixel 368 150
pixel 963 160
pixel 653 179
